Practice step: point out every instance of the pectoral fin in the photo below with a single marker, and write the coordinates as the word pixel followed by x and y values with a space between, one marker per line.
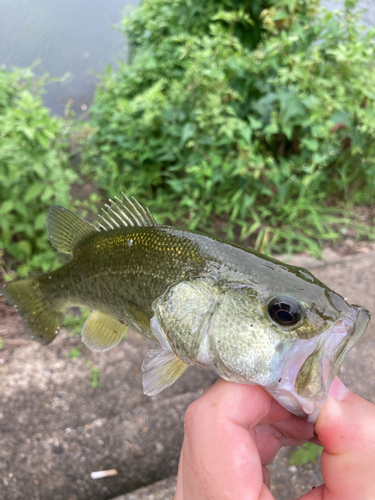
pixel 160 370
pixel 101 331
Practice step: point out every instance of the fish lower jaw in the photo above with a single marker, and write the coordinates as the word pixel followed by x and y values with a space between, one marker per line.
pixel 305 395
pixel 285 390
pixel 296 404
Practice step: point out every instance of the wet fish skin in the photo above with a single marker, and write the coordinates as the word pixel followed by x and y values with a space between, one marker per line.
pixel 204 300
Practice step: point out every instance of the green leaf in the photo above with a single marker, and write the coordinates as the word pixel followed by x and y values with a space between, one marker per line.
pixel 43 140
pixel 245 132
pixel 40 221
pixel 29 132
pixel 311 143
pixel 25 247
pixel 255 124
pixel 188 131
pixel 33 192
pixel 6 207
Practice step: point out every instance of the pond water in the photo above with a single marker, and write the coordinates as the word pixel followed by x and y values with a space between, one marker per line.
pixel 67 36
pixel 75 37
pixel 368 6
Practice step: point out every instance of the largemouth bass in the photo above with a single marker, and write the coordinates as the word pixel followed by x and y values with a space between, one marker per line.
pixel 206 302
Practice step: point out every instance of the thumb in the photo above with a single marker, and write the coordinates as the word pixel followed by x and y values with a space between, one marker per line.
pixel 346 429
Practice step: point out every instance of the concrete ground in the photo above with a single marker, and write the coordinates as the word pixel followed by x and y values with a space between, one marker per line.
pixel 56 428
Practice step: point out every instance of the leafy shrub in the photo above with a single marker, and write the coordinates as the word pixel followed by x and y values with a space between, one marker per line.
pixel 34 169
pixel 258 113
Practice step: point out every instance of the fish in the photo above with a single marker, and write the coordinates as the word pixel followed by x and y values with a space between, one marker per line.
pixel 204 301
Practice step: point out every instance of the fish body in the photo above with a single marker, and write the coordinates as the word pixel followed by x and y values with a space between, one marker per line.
pixel 206 302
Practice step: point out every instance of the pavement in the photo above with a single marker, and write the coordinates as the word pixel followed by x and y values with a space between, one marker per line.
pixel 56 428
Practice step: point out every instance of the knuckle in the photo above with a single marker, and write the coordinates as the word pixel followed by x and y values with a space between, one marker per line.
pixel 194 414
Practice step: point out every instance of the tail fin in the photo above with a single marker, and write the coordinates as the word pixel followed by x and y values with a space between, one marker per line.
pixel 40 318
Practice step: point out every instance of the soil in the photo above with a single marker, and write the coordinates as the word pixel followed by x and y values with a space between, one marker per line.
pixel 11 331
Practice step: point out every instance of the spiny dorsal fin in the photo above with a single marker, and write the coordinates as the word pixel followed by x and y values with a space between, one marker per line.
pixel 160 370
pixel 102 331
pixel 66 229
pixel 124 214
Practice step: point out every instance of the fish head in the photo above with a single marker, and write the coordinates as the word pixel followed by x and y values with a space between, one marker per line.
pixel 291 338
pixel 316 355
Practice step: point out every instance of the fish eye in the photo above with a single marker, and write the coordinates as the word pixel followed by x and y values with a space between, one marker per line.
pixel 285 311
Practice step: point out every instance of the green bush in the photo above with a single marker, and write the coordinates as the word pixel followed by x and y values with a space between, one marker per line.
pixel 34 169
pixel 259 114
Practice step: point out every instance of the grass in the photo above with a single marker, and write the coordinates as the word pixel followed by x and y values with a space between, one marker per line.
pixel 74 353
pixel 95 376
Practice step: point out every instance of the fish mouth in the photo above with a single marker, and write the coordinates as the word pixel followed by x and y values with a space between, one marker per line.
pixel 311 365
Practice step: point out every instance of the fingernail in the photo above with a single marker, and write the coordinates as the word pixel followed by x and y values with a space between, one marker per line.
pixel 338 390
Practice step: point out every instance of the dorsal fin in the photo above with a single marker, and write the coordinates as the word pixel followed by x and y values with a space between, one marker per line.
pixel 125 213
pixel 66 229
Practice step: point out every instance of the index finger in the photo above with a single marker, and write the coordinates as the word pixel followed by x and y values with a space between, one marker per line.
pixel 220 457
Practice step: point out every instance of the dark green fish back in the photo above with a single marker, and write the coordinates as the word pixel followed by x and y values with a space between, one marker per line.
pixel 134 264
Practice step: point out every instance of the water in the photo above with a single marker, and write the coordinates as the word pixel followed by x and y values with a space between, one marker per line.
pixel 68 36
pixel 76 37
pixel 368 16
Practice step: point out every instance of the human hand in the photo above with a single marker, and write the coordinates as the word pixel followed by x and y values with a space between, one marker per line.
pixel 233 431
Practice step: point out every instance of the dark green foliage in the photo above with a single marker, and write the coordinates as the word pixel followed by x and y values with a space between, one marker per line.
pixel 257 113
pixel 34 168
